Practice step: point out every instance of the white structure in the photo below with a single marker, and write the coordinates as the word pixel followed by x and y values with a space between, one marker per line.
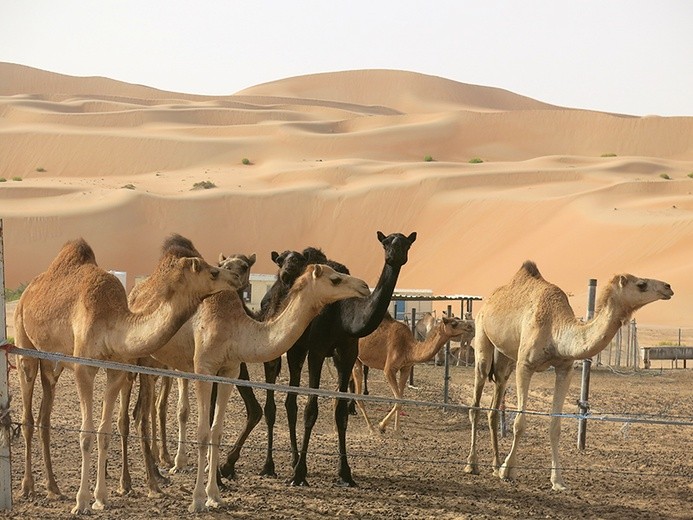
pixel 259 285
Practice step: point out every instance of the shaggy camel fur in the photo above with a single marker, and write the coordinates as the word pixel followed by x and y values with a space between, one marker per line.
pixel 529 325
pixel 76 308
pixel 393 349
pixel 224 336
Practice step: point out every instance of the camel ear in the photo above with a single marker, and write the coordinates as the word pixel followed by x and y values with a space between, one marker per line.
pixel 381 236
pixel 622 281
pixel 412 237
pixel 251 260
pixel 221 257
pixel 274 256
pixel 317 270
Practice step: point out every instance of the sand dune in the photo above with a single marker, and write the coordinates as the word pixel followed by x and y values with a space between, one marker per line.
pixel 336 157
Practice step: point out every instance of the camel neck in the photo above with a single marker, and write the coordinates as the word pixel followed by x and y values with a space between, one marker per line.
pixel 426 350
pixel 595 335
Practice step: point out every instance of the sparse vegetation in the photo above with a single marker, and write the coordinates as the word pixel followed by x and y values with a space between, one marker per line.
pixel 129 187
pixel 428 158
pixel 608 155
pixel 476 160
pixel 40 170
pixel 246 161
pixel 16 178
pixel 690 175
pixel 2 179
pixel 14 294
pixel 665 176
pixel 204 185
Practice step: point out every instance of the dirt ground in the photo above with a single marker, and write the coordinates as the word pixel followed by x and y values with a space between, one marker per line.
pixel 628 470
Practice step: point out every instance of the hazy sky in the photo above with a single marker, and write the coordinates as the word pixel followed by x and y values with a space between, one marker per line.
pixel 627 56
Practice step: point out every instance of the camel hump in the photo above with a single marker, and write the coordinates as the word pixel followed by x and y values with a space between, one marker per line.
pixel 178 246
pixel 531 269
pixel 75 252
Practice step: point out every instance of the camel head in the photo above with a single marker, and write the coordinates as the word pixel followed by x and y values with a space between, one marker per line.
pixel 328 286
pixel 451 327
pixel 239 264
pixel 291 264
pixel 631 293
pixel 196 277
pixel 396 247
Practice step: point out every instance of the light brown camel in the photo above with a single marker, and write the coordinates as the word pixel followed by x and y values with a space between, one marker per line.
pixel 459 345
pixel 530 325
pixel 77 308
pixel 223 336
pixel 157 452
pixel 393 349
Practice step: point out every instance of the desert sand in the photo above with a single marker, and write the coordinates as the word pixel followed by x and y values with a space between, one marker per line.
pixel 336 157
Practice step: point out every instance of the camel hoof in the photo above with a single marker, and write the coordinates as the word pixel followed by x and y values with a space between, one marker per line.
pixel 559 486
pixel 471 469
pixel 214 503
pixel 98 506
pixel 81 511
pixel 296 482
pixel 197 508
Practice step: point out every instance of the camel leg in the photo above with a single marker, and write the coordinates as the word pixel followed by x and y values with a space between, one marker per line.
pixel 503 368
pixel 145 400
pixel 272 370
pixel 357 374
pixel 28 369
pixel 223 393
pixel 344 360
pixel 563 377
pixel 182 414
pixel 295 358
pixel 203 392
pixel 50 372
pixel 483 359
pixel 124 431
pixel 161 407
pixel 310 416
pixel 523 377
pixel 84 376
pixel 395 384
pixel 115 379
pixel 403 379
pixel 253 413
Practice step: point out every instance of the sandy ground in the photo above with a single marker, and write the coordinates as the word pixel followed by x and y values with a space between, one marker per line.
pixel 628 470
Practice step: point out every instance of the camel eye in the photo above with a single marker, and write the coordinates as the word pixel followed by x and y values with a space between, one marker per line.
pixel 214 273
pixel 642 285
pixel 336 280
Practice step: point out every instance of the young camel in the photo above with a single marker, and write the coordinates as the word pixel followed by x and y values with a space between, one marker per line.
pixel 224 336
pixel 530 325
pixel 76 308
pixel 393 349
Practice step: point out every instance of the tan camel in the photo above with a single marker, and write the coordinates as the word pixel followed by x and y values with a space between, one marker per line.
pixel 77 308
pixel 530 325
pixel 223 336
pixel 459 345
pixel 393 349
pixel 157 451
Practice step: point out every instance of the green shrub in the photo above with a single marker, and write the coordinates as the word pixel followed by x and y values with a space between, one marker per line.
pixel 246 161
pixel 16 178
pixel 428 158
pixel 608 155
pixel 129 186
pixel 665 176
pixel 691 175
pixel 204 185
pixel 14 294
pixel 2 179
pixel 476 160
pixel 40 170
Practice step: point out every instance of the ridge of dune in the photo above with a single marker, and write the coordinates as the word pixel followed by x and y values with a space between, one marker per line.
pixel 335 157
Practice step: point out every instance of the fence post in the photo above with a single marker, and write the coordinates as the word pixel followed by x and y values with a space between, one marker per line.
pixel 413 332
pixel 583 403
pixel 5 424
pixel 446 384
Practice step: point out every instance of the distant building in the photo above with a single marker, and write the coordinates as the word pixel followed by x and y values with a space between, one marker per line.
pixel 259 285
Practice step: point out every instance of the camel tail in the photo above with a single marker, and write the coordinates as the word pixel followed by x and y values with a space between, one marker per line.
pixel 492 370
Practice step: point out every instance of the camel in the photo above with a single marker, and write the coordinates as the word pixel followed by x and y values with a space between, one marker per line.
pixel 393 349
pixel 76 308
pixel 155 452
pixel 530 326
pixel 459 345
pixel 335 333
pixel 224 336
